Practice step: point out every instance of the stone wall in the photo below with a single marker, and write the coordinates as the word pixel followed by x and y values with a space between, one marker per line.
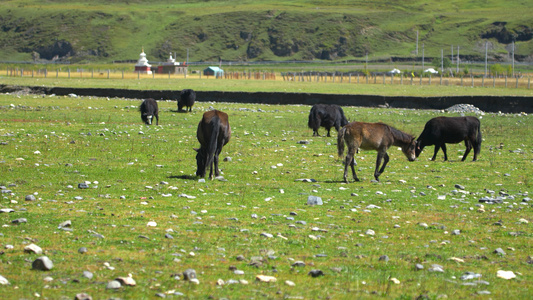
pixel 505 104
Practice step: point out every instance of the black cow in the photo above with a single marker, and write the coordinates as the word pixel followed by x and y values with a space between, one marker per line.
pixel 149 110
pixel 326 115
pixel 187 98
pixel 441 130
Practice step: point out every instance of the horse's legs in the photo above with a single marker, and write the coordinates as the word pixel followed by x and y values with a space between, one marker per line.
pixel 329 128
pixel 381 156
pixel 350 161
pixel 468 145
pixel 315 132
pixel 157 119
pixel 215 159
pixel 353 164
pixel 437 147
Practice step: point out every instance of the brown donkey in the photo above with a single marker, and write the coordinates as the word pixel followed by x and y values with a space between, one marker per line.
pixel 213 133
pixel 373 136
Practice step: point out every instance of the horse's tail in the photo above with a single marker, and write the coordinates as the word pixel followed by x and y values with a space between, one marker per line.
pixel 340 141
pixel 212 142
pixel 311 123
pixel 478 136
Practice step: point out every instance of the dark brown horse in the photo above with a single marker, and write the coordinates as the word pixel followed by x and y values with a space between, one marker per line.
pixel 213 133
pixel 373 136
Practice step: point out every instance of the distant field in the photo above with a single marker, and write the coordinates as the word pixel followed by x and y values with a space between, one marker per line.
pixel 349 85
pixel 420 232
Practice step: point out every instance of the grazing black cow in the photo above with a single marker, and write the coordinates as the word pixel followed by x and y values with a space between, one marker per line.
pixel 441 130
pixel 326 115
pixel 187 98
pixel 149 110
pixel 213 133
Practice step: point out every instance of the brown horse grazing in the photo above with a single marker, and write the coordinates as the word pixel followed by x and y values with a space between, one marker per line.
pixel 373 136
pixel 213 133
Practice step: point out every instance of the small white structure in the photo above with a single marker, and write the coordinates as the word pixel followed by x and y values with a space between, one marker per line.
pixel 394 72
pixel 172 67
pixel 142 65
pixel 431 70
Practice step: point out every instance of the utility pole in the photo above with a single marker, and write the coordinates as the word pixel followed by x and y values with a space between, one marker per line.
pixel 486 50
pixel 442 60
pixel 457 69
pixel 422 57
pixel 417 43
pixel 452 55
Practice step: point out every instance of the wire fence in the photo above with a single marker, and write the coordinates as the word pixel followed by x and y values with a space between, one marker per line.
pixel 472 80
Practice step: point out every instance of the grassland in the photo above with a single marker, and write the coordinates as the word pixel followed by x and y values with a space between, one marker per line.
pixel 104 31
pixel 136 175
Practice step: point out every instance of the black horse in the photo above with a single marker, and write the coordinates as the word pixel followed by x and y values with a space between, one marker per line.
pixel 326 115
pixel 149 110
pixel 187 98
pixel 441 130
pixel 213 133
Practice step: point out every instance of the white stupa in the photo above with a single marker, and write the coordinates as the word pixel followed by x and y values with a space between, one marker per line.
pixel 142 65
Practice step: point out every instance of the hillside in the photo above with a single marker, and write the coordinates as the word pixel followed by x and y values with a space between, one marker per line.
pixel 105 31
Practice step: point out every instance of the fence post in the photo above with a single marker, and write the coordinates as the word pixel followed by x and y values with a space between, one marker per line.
pixel 517 82
pixel 506 81
pixel 383 79
pixel 366 78
pixel 440 78
pixel 401 79
pixel 68 71
pixel 472 80
pixel 420 79
pixel 31 73
pixel 528 82
pixel 494 81
pixel 92 73
pixel 122 74
pixel 429 79
pixel 461 80
pixel 45 73
pixel 57 73
pixel 412 80
pixel 483 81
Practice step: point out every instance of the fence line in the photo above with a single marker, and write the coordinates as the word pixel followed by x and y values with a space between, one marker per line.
pixel 315 77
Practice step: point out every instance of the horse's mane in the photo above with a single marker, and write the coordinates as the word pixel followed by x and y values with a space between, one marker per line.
pixel 400 136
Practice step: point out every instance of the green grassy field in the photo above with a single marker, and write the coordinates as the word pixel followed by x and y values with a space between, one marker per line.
pixel 138 174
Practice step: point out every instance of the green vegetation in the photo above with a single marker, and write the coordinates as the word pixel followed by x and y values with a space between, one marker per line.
pixel 136 175
pixel 105 31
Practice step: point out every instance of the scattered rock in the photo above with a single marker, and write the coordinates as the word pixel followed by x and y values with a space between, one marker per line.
pixel 129 281
pixel 384 258
pixel 189 274
pixel 32 248
pixel 315 273
pixel 19 221
pixel 82 250
pixel 42 263
pixel 83 296
pixel 87 274
pixel 30 198
pixel 499 251
pixel 3 280
pixel 314 200
pixel 505 274
pixel 113 285
pixel 265 278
